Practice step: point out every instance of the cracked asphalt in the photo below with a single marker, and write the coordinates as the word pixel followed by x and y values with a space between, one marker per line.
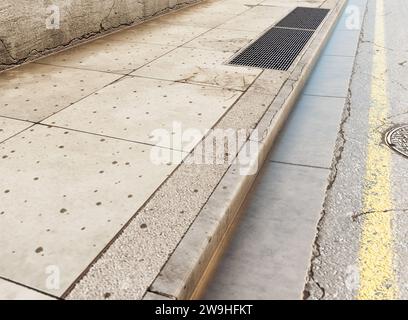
pixel 361 248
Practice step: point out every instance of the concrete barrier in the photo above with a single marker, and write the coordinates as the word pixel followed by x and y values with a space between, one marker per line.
pixel 32 28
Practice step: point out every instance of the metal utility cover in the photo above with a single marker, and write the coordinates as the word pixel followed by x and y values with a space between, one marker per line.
pixel 397 139
pixel 276 49
pixel 279 47
pixel 304 18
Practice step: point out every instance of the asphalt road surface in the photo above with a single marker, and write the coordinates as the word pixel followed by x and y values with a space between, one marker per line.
pixel 361 247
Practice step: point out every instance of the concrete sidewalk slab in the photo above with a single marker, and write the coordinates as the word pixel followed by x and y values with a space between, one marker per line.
pixel 10 127
pixel 222 40
pixel 64 195
pixel 200 66
pixel 134 108
pixel 115 56
pixel 196 17
pixel 231 7
pixel 158 33
pixel 33 92
pixel 294 3
pixel 257 19
pixel 12 291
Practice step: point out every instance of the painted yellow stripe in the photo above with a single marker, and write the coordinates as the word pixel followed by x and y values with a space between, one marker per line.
pixel 377 278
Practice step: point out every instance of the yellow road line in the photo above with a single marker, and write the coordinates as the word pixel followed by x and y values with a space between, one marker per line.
pixel 377 278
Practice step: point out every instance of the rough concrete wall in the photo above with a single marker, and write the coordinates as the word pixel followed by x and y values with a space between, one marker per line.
pixel 23 24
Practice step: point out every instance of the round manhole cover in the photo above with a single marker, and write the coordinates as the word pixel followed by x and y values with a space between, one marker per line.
pixel 397 139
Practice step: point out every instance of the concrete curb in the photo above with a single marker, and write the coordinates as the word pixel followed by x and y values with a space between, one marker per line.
pixel 185 274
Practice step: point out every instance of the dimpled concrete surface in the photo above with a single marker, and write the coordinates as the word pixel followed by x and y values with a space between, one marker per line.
pixel 102 55
pixel 9 127
pixel 63 196
pixel 33 92
pixel 134 108
pixel 158 33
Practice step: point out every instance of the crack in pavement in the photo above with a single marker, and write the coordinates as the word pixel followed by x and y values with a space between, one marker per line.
pixel 338 154
pixel 356 216
pixel 379 46
pixel 316 253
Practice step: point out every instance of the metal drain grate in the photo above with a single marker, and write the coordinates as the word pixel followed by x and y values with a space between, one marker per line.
pixel 279 47
pixel 304 18
pixel 276 49
pixel 397 139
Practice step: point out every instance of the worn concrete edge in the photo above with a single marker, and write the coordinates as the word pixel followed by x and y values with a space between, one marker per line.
pixel 92 36
pixel 184 275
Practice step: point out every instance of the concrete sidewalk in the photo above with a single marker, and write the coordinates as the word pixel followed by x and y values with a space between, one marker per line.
pixel 85 192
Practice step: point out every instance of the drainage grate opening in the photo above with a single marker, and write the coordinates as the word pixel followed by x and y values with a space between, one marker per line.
pixel 304 18
pixel 397 139
pixel 279 47
pixel 276 49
